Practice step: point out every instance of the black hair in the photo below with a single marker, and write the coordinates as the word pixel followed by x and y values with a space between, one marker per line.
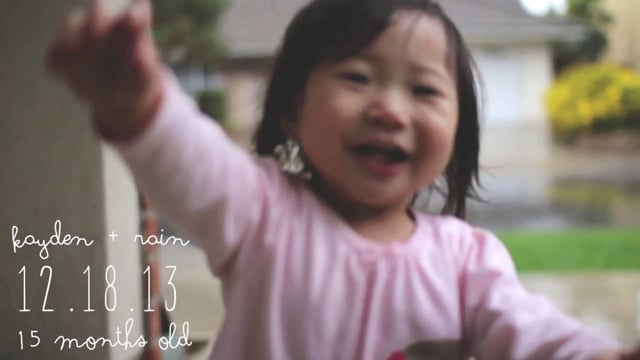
pixel 333 30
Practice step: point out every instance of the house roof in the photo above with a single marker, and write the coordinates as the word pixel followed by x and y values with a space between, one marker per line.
pixel 253 28
pixel 506 21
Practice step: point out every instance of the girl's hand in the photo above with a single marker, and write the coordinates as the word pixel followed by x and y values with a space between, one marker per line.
pixel 111 63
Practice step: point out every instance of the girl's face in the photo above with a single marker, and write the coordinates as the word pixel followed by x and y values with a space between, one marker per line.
pixel 380 125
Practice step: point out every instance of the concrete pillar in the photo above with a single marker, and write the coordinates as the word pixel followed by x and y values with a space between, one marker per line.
pixel 52 168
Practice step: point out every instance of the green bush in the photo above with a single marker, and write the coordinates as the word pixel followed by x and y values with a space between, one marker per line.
pixel 213 103
pixel 594 98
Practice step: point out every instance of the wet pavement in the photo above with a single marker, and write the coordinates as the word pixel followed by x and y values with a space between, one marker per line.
pixel 554 187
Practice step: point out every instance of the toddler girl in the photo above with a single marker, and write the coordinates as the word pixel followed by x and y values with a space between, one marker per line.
pixel 319 251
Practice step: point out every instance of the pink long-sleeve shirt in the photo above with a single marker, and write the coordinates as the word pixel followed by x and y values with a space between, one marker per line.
pixel 299 283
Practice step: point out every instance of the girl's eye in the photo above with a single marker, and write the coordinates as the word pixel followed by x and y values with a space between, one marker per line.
pixel 424 91
pixel 356 77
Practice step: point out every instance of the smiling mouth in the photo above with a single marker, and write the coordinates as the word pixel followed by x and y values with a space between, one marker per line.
pixel 385 154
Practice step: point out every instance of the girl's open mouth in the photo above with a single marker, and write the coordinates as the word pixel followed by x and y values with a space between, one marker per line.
pixel 381 160
pixel 387 154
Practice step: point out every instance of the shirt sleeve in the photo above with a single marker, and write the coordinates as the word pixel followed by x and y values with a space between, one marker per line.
pixel 209 188
pixel 504 321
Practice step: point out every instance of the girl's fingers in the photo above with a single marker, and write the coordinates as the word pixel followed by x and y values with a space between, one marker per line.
pixel 144 13
pixel 72 34
pixel 67 41
pixel 145 51
pixel 97 23
pixel 122 39
pixel 138 17
pixel 131 41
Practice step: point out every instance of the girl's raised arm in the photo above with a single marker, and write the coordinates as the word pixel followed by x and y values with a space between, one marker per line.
pixel 209 188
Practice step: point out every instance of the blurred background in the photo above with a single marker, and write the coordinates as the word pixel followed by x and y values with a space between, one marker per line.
pixel 560 158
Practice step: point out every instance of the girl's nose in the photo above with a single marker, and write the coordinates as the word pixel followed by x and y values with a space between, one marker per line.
pixel 388 109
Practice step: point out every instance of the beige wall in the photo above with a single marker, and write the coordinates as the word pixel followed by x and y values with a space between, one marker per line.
pixel 624 34
pixel 538 76
pixel 53 168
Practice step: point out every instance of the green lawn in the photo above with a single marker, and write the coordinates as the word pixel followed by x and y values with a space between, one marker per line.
pixel 574 249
